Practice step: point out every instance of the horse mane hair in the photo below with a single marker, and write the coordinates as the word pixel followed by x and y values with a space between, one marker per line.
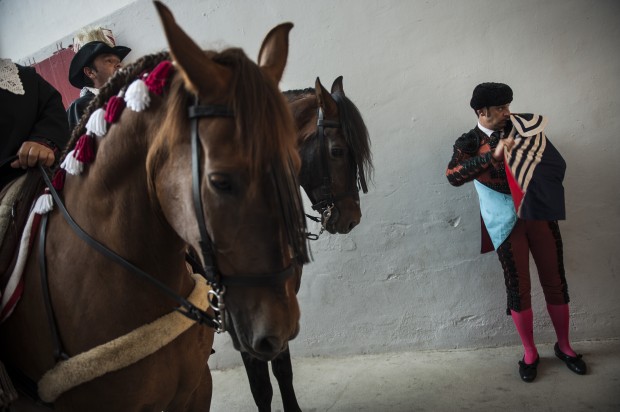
pixel 294 95
pixel 355 133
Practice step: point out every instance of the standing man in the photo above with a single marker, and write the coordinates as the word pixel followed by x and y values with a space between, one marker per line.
pixel 479 156
pixel 90 69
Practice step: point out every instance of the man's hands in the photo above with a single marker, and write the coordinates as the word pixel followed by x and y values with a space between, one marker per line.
pixel 31 153
pixel 498 154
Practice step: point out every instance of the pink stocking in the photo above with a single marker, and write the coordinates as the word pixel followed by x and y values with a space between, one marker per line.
pixel 524 321
pixel 560 318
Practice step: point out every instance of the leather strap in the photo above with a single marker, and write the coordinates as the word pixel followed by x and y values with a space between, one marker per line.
pixel 189 309
pixel 59 352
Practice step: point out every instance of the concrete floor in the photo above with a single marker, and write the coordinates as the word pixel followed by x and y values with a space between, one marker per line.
pixel 455 380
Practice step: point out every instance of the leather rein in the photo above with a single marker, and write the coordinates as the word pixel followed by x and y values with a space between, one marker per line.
pixel 208 269
pixel 327 198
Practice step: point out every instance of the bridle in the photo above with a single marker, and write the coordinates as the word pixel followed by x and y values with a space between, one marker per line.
pixel 326 199
pixel 208 269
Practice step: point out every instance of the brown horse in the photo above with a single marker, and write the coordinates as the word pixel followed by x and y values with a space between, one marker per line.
pixel 232 168
pixel 334 161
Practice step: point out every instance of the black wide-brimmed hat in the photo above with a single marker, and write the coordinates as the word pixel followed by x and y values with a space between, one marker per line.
pixel 490 94
pixel 86 55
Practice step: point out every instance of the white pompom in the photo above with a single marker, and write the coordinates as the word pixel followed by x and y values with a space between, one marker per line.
pixel 44 204
pixel 137 96
pixel 72 165
pixel 96 123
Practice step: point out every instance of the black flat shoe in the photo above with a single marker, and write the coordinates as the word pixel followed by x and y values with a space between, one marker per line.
pixel 574 363
pixel 528 372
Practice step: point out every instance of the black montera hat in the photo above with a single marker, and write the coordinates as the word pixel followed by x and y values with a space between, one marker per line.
pixel 86 55
pixel 490 94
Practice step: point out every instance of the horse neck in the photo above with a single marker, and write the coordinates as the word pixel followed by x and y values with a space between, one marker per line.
pixel 112 199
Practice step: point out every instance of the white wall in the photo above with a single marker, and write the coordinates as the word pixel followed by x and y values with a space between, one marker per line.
pixel 28 25
pixel 411 276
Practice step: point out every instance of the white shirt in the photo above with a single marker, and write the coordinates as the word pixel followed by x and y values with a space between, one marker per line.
pixel 485 130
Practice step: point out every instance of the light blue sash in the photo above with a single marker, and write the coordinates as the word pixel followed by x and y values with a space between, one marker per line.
pixel 498 213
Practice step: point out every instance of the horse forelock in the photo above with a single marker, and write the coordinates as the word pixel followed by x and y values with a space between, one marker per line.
pixel 355 132
pixel 266 129
pixel 257 102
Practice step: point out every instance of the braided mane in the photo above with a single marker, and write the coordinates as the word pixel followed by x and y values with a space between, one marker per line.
pixel 119 80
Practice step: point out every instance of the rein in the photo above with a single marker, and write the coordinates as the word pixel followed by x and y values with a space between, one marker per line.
pixel 8 160
pixel 190 310
pixel 327 199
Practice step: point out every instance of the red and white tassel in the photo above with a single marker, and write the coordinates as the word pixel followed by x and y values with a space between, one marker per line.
pixel 137 96
pixel 114 108
pixel 85 149
pixel 72 165
pixel 44 204
pixel 156 80
pixel 58 181
pixel 96 123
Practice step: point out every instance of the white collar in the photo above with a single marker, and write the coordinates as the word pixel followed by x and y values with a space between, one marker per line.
pixel 9 77
pixel 486 131
pixel 89 89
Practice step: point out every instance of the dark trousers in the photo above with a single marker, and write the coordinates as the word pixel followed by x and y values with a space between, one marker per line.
pixel 542 238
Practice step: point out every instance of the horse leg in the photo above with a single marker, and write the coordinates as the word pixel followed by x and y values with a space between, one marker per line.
pixel 258 375
pixel 283 371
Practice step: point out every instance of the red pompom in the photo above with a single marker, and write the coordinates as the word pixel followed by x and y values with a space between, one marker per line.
pixel 156 80
pixel 58 181
pixel 114 108
pixel 85 149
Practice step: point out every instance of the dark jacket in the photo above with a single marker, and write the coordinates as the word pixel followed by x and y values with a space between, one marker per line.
pixel 38 115
pixel 472 159
pixel 77 109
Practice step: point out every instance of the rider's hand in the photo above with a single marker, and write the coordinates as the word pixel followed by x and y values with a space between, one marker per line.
pixel 31 153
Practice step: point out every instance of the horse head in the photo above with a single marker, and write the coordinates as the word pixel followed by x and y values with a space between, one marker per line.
pixel 335 151
pixel 246 190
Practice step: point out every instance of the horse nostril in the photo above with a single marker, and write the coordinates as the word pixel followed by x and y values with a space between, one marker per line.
pixel 268 345
pixel 352 225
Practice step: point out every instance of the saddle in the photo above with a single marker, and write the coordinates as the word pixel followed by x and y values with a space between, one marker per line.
pixel 16 199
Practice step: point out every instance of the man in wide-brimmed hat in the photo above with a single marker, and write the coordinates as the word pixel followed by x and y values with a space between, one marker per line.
pixel 90 69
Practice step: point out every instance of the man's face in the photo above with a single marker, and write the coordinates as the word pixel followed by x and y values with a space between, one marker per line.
pixel 494 117
pixel 104 67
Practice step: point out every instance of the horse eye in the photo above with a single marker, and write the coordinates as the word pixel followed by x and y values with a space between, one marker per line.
pixel 220 182
pixel 337 152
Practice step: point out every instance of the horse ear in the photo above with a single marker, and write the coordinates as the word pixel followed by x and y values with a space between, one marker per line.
pixel 326 101
pixel 337 86
pixel 274 51
pixel 200 73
